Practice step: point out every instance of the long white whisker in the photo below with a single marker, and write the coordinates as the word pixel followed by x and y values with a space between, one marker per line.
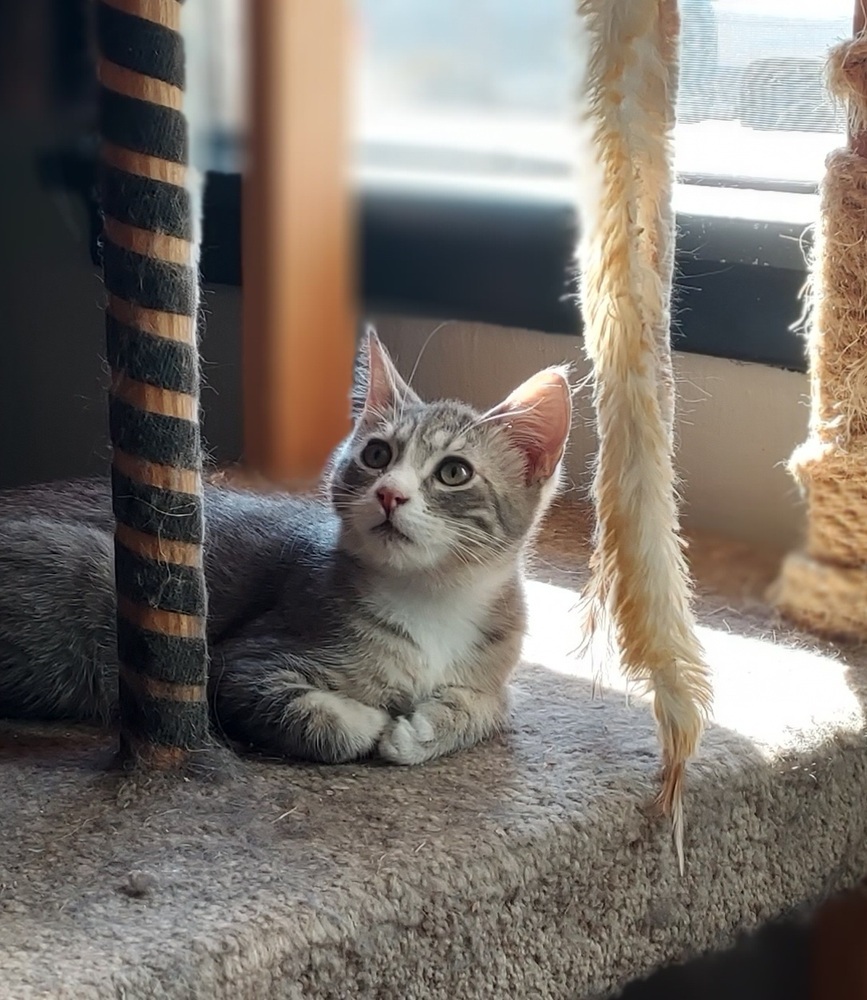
pixel 492 417
pixel 423 348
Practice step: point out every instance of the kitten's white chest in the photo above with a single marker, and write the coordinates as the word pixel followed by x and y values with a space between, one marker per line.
pixel 445 628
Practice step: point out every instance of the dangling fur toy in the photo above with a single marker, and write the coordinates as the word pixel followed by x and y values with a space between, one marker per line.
pixel 640 592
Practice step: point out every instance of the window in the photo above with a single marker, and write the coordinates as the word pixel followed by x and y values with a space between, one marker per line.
pixel 753 104
pixel 216 43
pixel 486 86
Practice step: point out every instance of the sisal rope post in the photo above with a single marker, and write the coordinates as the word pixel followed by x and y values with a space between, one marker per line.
pixel 824 587
pixel 640 595
pixel 150 251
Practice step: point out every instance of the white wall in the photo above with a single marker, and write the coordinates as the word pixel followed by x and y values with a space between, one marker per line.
pixel 737 423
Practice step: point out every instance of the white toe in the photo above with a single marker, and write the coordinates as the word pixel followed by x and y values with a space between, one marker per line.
pixel 407 740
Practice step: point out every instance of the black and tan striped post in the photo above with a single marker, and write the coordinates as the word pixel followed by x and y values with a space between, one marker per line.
pixel 150 248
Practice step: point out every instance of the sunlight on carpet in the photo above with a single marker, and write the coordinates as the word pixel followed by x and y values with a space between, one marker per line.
pixel 769 688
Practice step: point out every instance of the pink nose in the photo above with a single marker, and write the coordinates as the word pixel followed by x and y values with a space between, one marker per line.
pixel 390 498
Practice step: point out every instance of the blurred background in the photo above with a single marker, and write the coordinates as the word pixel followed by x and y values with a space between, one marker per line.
pixel 487 85
pixel 482 86
pixel 465 95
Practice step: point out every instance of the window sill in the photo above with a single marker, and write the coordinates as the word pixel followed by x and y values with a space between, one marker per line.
pixel 502 252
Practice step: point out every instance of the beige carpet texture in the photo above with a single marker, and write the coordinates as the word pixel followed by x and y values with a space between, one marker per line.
pixel 528 867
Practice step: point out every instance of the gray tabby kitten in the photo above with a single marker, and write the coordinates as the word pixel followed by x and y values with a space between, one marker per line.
pixel 387 620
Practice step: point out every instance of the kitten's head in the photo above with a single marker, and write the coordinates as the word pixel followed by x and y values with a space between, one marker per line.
pixel 432 487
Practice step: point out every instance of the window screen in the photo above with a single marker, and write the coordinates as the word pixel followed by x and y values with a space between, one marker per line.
pixel 487 85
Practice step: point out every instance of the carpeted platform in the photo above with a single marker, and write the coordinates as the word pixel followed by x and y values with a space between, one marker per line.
pixel 526 868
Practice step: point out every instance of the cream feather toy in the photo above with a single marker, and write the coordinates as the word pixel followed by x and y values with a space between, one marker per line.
pixel 640 593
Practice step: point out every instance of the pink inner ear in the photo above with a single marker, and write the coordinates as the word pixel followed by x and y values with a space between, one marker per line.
pixel 385 388
pixel 380 389
pixel 538 417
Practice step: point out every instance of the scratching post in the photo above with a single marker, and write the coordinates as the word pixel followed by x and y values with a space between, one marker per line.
pixel 150 246
pixel 640 592
pixel 824 588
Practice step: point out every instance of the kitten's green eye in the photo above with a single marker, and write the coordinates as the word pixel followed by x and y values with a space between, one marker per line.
pixel 376 454
pixel 454 472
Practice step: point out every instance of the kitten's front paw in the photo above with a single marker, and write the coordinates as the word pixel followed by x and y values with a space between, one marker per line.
pixel 338 729
pixel 408 740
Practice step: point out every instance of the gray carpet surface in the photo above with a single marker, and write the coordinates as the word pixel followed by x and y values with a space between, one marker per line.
pixel 528 867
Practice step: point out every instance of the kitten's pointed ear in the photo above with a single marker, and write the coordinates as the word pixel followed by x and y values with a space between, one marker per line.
pixel 378 386
pixel 538 417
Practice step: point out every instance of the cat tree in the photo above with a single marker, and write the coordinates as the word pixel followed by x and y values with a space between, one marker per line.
pixel 527 867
